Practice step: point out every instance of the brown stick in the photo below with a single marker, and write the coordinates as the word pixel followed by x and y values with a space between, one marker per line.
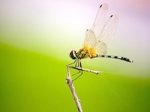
pixel 72 89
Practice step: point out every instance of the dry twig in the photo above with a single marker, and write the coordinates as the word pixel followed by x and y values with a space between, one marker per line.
pixel 72 89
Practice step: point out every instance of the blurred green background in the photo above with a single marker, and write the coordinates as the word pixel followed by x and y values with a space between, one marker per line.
pixel 35 40
pixel 32 82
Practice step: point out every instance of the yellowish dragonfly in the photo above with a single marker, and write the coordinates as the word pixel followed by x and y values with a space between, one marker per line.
pixel 95 44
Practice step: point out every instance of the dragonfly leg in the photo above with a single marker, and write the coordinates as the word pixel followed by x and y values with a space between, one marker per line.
pixel 78 67
pixel 80 64
pixel 76 64
pixel 76 73
pixel 71 63
pixel 79 71
pixel 80 74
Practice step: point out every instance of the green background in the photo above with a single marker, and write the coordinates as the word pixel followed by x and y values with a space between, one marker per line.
pixel 34 82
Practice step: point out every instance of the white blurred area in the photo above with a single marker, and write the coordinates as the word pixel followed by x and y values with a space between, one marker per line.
pixel 134 32
pixel 44 25
pixel 58 26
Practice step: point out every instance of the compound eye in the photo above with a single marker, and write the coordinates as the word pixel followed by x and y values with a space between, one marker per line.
pixel 73 54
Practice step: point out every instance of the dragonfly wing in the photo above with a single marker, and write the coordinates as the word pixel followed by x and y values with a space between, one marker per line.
pixel 104 28
pixel 108 30
pixel 100 19
pixel 100 48
pixel 90 38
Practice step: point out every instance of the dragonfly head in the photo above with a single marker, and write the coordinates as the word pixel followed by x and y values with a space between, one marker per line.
pixel 73 54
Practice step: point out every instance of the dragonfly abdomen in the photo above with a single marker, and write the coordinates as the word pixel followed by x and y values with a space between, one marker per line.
pixel 116 57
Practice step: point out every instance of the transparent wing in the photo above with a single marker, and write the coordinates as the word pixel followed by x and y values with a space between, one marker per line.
pixel 90 38
pixel 91 34
pixel 105 35
pixel 100 19
pixel 108 31
pixel 100 48
pixel 104 28
pixel 98 25
pixel 91 41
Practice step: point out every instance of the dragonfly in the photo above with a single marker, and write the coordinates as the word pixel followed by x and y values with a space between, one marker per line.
pixel 95 42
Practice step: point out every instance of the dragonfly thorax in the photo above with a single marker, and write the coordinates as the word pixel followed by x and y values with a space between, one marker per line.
pixel 73 54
